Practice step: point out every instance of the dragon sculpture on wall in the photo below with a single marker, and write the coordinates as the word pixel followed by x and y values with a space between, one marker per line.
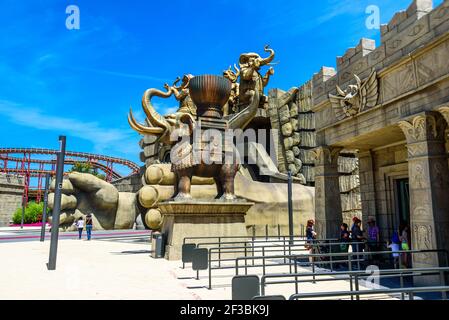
pixel 356 98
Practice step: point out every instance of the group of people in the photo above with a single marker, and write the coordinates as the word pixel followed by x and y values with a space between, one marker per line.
pixel 359 239
pixel 80 226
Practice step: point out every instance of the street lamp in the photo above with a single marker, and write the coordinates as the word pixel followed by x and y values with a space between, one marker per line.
pixel 51 265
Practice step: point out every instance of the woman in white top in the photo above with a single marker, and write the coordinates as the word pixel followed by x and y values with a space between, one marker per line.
pixel 80 226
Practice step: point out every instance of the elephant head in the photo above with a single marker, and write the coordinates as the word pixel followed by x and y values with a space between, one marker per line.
pixel 157 125
pixel 252 62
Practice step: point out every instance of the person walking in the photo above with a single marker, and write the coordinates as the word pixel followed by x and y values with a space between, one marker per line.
pixel 89 225
pixel 80 227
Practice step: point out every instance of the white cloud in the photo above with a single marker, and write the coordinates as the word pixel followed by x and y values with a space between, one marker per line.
pixel 120 140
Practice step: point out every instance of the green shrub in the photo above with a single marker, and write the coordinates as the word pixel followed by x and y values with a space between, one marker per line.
pixel 86 167
pixel 33 212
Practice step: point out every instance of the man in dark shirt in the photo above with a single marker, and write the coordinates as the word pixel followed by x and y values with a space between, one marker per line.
pixel 89 226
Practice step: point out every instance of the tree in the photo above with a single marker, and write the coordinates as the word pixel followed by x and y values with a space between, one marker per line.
pixel 86 167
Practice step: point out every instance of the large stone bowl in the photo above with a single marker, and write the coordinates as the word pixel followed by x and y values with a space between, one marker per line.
pixel 210 93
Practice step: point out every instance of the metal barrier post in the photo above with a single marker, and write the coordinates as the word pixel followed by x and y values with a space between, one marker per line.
pixel 358 257
pixel 210 268
pixel 351 287
pixel 357 288
pixel 443 283
pixel 330 257
pixel 296 278
pixel 290 253
pixel 350 261
pixel 219 251
pixel 263 260
pixel 313 269
pixel 401 281
pixel 279 231
pixel 237 266
pixel 246 261
pixel 266 232
pixel 253 250
pixel 283 247
pixel 262 286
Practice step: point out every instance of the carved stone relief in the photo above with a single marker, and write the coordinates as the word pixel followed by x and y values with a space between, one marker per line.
pixel 423 238
pixel 418 180
pixel 398 82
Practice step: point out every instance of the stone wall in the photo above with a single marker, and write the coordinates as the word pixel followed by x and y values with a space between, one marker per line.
pixel 11 192
pixel 411 58
pixel 132 183
pixel 351 202
pixel 293 141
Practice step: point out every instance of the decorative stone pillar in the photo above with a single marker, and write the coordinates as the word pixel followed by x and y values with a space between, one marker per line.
pixel 328 212
pixel 429 186
pixel 367 185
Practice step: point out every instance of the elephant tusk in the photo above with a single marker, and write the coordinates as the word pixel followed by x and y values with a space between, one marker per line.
pixel 142 129
pixel 155 119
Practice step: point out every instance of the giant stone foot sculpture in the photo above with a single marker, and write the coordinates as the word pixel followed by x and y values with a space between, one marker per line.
pixel 84 193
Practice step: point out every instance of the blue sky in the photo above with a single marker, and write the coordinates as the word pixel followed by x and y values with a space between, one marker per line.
pixel 81 83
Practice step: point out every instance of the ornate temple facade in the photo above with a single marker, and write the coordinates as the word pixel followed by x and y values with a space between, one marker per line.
pixel 390 104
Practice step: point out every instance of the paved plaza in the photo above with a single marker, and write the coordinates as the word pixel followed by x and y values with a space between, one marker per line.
pixel 119 267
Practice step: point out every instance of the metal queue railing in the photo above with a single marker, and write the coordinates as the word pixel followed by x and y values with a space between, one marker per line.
pixel 354 278
pixel 410 291
pixel 225 241
pixel 263 250
pixel 349 255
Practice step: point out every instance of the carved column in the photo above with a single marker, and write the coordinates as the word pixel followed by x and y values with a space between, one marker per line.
pixel 367 186
pixel 429 186
pixel 328 212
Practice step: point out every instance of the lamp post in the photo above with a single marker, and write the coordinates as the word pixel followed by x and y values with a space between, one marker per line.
pixel 290 207
pixel 51 265
pixel 44 211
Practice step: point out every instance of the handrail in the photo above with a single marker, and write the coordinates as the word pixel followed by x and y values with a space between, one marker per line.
pixel 238 249
pixel 409 291
pixel 389 273
pixel 348 254
pixel 247 237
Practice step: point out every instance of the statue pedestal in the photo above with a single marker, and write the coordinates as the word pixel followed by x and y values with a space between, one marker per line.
pixel 200 219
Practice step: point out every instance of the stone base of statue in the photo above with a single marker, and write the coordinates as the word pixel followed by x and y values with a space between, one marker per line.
pixel 200 219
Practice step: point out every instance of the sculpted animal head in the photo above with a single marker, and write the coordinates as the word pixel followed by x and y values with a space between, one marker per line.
pixel 255 61
pixel 165 128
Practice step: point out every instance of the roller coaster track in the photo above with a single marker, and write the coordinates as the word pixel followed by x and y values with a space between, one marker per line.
pixel 69 161
pixel 22 165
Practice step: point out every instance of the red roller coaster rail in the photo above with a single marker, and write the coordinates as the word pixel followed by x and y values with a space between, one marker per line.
pixel 19 161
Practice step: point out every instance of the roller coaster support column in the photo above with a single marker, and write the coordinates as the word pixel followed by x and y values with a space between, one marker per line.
pixel 57 205
pixel 44 211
